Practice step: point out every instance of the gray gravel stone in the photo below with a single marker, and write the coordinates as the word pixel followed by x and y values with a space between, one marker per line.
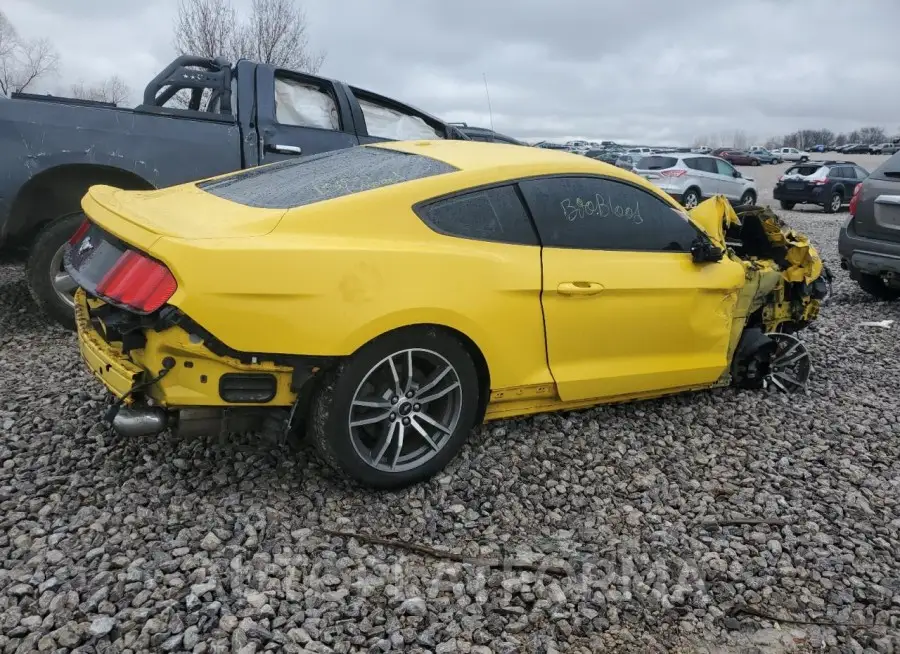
pixel 102 626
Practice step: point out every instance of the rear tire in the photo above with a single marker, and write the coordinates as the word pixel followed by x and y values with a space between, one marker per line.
pixel 44 265
pixel 875 286
pixel 787 206
pixel 690 198
pixel 834 203
pixel 363 390
pixel 804 159
pixel 755 162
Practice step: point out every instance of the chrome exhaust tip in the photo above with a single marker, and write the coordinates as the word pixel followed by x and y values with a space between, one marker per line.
pixel 144 421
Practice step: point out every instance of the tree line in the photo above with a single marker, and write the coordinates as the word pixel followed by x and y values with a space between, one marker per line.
pixel 274 32
pixel 803 138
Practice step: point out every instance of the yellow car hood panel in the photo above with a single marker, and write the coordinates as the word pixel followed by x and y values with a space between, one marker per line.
pixel 182 211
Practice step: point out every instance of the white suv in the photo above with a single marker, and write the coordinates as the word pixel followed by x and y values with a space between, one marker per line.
pixel 690 178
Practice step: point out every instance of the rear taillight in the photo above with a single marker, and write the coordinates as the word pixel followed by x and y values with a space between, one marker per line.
pixel 138 282
pixel 820 182
pixel 82 228
pixel 855 199
pixel 675 172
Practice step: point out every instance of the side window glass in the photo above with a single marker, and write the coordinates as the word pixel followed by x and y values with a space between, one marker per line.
pixel 848 172
pixel 390 123
pixel 861 173
pixel 724 168
pixel 708 165
pixel 604 214
pixel 304 105
pixel 693 164
pixel 494 214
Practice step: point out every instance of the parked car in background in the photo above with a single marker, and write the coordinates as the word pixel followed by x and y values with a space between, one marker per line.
pixel 485 135
pixel 829 184
pixel 869 242
pixel 882 148
pixel 605 155
pixel 702 149
pixel 740 158
pixel 719 151
pixel 689 178
pixel 627 160
pixel 239 116
pixel 856 148
pixel 765 156
pixel 791 154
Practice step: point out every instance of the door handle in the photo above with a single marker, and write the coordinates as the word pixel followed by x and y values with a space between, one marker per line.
pixel 579 288
pixel 284 149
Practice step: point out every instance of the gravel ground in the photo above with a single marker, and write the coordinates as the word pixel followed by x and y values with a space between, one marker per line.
pixel 217 544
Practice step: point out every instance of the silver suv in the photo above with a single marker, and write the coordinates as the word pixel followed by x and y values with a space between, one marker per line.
pixel 689 178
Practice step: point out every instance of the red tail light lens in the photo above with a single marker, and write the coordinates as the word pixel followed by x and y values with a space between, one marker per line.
pixel 138 282
pixel 674 173
pixel 82 228
pixel 855 199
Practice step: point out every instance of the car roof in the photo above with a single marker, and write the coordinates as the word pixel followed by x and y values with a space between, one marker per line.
pixel 476 155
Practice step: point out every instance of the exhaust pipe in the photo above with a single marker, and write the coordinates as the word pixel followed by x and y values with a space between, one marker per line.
pixel 144 421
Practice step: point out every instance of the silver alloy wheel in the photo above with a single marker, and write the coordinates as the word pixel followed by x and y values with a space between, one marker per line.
pixel 62 281
pixel 690 200
pixel 748 199
pixel 791 365
pixel 405 410
pixel 835 202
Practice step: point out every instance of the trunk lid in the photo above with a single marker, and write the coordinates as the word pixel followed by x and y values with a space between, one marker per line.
pixel 183 211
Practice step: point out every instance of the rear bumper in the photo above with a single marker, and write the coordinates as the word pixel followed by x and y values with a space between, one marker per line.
pixel 815 195
pixel 106 363
pixel 194 376
pixel 860 255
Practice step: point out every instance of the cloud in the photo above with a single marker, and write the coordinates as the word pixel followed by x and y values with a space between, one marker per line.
pixel 647 71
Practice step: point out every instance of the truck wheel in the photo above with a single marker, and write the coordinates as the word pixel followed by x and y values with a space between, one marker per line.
pixel 51 287
pixel 398 410
pixel 875 286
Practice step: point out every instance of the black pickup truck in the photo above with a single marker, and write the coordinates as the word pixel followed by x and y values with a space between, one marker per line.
pixel 199 118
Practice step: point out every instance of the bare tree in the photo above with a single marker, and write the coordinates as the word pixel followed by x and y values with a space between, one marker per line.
pixel 22 62
pixel 275 33
pixel 206 28
pixel 740 140
pixel 113 90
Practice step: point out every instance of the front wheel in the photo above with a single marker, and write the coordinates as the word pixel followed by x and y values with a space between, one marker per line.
pixel 787 206
pixel 755 162
pixel 52 288
pixel 749 197
pixel 398 410
pixel 804 159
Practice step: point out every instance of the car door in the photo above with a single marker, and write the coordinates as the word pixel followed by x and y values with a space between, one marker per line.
pixel 703 171
pixel 626 310
pixel 729 185
pixel 300 114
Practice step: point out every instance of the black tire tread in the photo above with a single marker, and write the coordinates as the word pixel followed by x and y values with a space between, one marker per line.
pixel 40 255
pixel 874 286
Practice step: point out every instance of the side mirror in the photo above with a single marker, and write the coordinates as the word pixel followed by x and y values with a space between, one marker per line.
pixel 702 251
pixel 737 173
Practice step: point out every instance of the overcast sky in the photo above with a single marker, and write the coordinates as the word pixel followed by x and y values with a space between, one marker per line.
pixel 653 71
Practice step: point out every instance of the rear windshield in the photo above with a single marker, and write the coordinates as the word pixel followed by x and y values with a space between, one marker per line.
pixel 890 169
pixel 802 170
pixel 656 163
pixel 325 176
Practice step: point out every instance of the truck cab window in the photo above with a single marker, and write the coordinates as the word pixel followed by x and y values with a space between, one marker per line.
pixel 389 123
pixel 304 105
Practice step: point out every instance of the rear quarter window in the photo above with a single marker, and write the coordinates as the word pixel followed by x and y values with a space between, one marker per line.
pixel 656 163
pixel 325 176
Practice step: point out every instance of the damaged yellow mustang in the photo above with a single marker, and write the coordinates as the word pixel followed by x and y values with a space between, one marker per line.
pixel 390 297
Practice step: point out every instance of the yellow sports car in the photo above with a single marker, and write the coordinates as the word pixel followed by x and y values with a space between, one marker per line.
pixel 390 297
